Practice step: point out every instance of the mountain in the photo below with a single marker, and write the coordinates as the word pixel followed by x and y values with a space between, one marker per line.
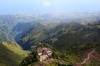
pixel 32 29
pixel 21 28
pixel 8 20
pixel 75 44
pixel 73 38
pixel 76 56
pixel 35 35
pixel 20 22
pixel 16 24
pixel 90 33
pixel 52 32
pixel 70 17
pixel 11 54
pixel 12 20
pixel 5 33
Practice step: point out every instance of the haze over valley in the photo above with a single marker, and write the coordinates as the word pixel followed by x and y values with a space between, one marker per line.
pixel 49 33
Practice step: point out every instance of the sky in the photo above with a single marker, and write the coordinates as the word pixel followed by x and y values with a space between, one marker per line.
pixel 48 6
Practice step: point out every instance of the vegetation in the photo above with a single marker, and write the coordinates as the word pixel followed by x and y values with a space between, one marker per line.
pixel 11 54
pixel 32 58
pixel 68 57
pixel 70 41
pixel 46 34
pixel 5 34
pixel 85 35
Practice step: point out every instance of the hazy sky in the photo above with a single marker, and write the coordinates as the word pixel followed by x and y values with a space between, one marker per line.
pixel 47 6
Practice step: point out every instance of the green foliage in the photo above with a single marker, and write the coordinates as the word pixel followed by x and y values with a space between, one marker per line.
pixel 73 38
pixel 67 57
pixel 77 37
pixel 32 58
pixel 10 55
pixel 5 34
pixel 62 35
pixel 47 34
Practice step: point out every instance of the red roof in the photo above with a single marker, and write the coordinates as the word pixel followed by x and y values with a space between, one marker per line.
pixel 43 50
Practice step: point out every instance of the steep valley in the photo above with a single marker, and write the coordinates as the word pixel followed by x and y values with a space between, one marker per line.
pixel 72 40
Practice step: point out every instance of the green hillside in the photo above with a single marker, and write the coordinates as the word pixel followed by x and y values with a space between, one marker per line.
pixel 72 39
pixel 47 34
pixel 88 34
pixel 5 33
pixel 11 54
pixel 74 42
pixel 71 57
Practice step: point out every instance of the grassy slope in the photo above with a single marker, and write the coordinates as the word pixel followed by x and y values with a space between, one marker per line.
pixel 81 36
pixel 11 54
pixel 46 34
pixel 5 33
pixel 69 57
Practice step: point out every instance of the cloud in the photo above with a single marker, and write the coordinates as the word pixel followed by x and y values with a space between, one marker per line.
pixel 46 3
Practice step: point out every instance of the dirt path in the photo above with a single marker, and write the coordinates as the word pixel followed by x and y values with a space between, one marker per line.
pixel 88 57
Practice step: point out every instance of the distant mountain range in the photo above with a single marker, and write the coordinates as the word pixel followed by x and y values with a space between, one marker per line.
pixel 70 34
pixel 15 27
